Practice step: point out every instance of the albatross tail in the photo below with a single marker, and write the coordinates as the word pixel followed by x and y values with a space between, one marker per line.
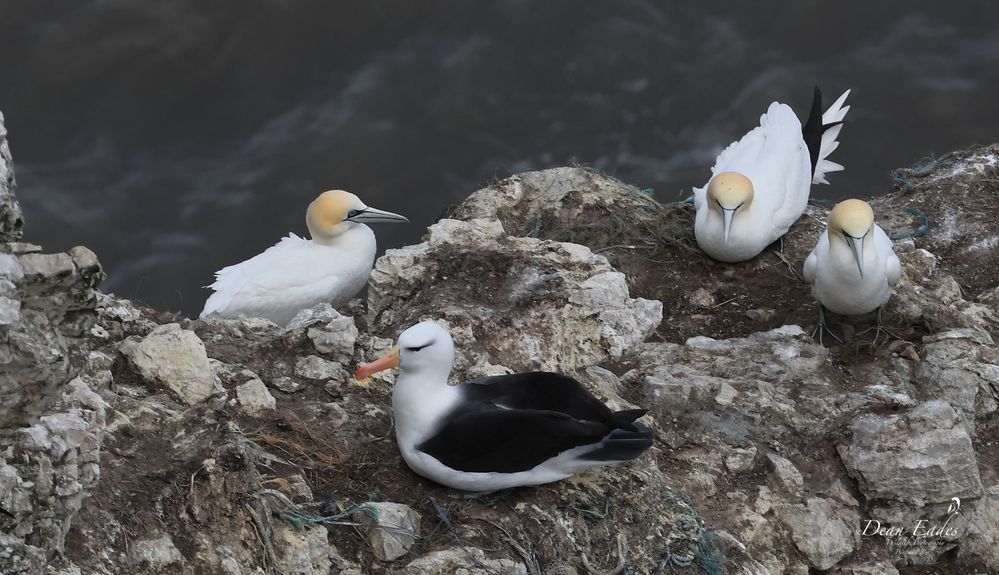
pixel 621 445
pixel 626 441
pixel 820 133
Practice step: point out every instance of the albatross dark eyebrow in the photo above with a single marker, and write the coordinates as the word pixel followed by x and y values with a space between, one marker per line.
pixel 419 347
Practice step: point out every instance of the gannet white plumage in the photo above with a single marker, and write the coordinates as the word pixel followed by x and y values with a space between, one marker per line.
pixel 759 185
pixel 498 432
pixel 853 267
pixel 297 273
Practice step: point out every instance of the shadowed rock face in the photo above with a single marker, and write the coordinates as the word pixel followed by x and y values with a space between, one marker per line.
pixel 10 211
pixel 50 421
pixel 233 445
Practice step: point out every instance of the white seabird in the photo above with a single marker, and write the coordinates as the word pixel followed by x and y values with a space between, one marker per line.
pixel 297 273
pixel 759 185
pixel 498 432
pixel 853 266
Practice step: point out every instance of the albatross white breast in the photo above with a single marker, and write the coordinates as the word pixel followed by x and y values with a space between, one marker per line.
pixel 759 185
pixel 498 432
pixel 296 273
pixel 853 267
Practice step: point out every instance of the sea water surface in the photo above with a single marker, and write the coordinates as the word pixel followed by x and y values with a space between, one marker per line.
pixel 174 138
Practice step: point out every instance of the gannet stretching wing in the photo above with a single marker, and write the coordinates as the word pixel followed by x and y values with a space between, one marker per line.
pixel 759 185
pixel 498 432
pixel 853 266
pixel 296 273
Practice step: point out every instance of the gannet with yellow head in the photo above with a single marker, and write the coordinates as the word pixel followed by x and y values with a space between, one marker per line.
pixel 853 266
pixel 760 184
pixel 296 273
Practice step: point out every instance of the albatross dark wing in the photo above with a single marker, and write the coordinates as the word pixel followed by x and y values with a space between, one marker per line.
pixel 541 390
pixel 479 438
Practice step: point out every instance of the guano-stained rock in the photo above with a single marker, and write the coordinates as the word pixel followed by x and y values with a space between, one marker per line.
pixel 572 309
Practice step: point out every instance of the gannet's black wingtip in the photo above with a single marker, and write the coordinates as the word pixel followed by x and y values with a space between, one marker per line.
pixel 811 132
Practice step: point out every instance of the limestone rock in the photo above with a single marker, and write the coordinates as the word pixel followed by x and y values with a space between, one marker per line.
pixel 726 393
pixel 254 329
pixel 11 219
pixel 330 332
pixel 302 551
pixel 979 540
pixel 529 202
pixel 176 359
pixel 953 369
pixel 823 530
pixel 572 309
pixel 392 528
pixel 463 561
pixel 740 460
pixel 877 567
pixel 286 384
pixel 254 397
pixel 924 456
pixel 156 553
pixel 17 557
pixel 315 367
pixel 51 423
pixel 46 313
pixel 786 473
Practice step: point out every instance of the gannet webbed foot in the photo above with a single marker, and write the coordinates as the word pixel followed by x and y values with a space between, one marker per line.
pixel 822 327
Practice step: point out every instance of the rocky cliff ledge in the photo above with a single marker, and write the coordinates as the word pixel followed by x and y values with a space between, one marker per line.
pixel 238 447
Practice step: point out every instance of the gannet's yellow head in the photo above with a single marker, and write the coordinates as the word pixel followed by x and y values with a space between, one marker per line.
pixel 328 213
pixel 730 192
pixel 850 222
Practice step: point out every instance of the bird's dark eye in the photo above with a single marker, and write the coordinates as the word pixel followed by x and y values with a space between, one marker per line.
pixel 352 213
pixel 418 347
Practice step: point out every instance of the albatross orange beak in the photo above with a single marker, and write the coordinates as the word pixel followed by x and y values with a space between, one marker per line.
pixel 387 361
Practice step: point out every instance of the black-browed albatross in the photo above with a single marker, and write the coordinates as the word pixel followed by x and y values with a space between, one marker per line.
pixel 498 432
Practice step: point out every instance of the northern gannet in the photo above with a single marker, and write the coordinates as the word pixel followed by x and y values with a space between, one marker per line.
pixel 498 432
pixel 297 273
pixel 759 185
pixel 853 266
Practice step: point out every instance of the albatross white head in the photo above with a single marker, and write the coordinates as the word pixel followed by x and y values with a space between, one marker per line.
pixel 850 223
pixel 424 356
pixel 425 351
pixel 731 194
pixel 333 212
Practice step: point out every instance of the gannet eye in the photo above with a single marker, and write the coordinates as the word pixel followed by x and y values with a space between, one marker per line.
pixel 352 213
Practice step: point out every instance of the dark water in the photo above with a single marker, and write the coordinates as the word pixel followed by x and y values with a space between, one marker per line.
pixel 174 138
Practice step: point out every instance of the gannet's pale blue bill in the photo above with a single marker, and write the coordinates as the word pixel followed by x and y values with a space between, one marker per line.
pixel 373 215
pixel 857 246
pixel 727 214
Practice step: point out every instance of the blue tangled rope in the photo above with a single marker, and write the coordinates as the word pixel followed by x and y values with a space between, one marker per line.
pixel 300 518
pixel 917 233
pixel 920 169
